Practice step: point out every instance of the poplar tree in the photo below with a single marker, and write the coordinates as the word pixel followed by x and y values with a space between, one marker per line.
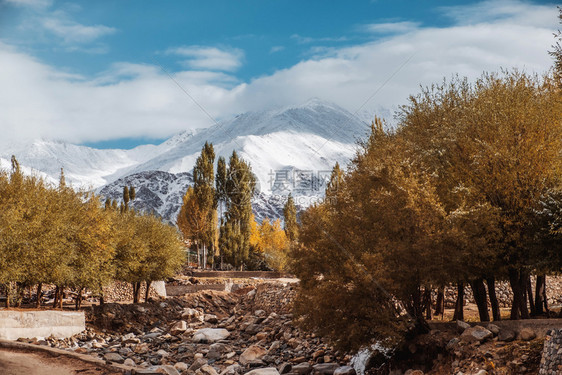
pixel 235 235
pixel 220 185
pixel 290 215
pixel 126 198
pixel 205 193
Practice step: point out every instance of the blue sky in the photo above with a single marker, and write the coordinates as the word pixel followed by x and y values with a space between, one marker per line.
pixel 97 72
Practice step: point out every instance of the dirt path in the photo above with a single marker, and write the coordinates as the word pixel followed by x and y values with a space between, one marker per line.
pixel 17 363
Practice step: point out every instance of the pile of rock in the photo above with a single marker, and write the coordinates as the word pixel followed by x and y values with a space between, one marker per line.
pixel 208 333
pixel 479 350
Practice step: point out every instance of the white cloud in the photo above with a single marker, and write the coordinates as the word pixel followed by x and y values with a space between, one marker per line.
pixel 136 100
pixel 391 27
pixel 72 32
pixel 275 49
pixel 210 58
pixel 307 40
pixel 501 11
pixel 31 3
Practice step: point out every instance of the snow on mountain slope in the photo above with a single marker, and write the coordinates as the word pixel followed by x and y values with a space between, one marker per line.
pixel 156 191
pixel 292 149
pixel 85 166
pixel 6 166
pixel 312 136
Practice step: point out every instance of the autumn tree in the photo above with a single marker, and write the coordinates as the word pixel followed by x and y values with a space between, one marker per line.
pixel 290 216
pixel 367 254
pixel 205 194
pixel 235 232
pixel 495 144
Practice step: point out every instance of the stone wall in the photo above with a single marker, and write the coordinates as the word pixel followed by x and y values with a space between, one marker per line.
pixel 551 362
pixel 28 324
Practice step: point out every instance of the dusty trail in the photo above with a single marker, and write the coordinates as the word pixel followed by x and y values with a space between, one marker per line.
pixel 18 363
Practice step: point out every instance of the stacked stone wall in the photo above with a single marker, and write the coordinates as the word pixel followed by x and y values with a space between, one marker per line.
pixel 551 361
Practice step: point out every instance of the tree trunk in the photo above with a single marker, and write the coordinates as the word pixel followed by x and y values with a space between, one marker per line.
pixel 496 314
pixel 530 295
pixel 518 286
pixel 136 292
pixel 427 303
pixel 38 302
pixel 61 296
pixel 523 276
pixel 479 292
pixel 78 299
pixel 459 305
pixel 147 292
pixel 440 303
pixel 540 295
pixel 102 300
pixel 56 298
pixel 416 305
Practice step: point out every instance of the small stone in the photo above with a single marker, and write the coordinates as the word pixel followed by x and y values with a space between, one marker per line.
pixel 527 334
pixel 210 318
pixel 285 368
pixel 129 362
pixel 162 353
pixel 253 353
pixel 476 333
pixel 263 371
pixel 506 335
pixel 181 366
pixel 197 364
pixel 210 335
pixel 113 357
pixel 192 315
pixel 178 328
pixel 493 328
pixel 345 370
pixel 324 368
pixel 452 343
pixel 461 326
pixel 206 370
pixel 303 368
pixel 142 348
pixel 232 369
pixel 216 350
pixel 167 370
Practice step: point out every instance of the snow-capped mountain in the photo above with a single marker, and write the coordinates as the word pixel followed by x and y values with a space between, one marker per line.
pixel 155 191
pixel 292 149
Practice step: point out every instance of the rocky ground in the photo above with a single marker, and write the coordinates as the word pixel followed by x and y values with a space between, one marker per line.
pixel 207 333
pixel 251 330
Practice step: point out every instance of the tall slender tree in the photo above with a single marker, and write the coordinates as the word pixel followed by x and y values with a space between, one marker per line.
pixel 290 216
pixel 205 195
pixel 235 234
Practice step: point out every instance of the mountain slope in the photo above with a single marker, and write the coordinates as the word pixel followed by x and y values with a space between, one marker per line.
pixel 292 149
